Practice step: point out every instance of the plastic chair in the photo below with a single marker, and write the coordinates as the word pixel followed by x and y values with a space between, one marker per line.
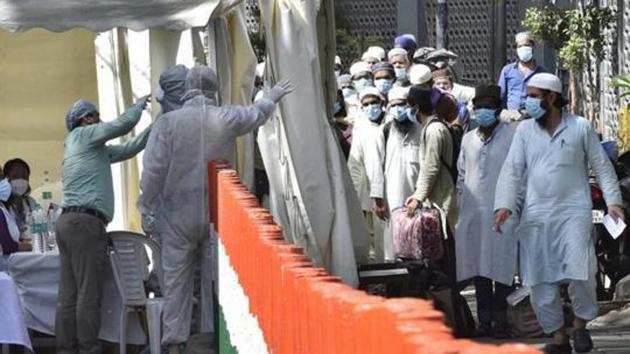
pixel 128 260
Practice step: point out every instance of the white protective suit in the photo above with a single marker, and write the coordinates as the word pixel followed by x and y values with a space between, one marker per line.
pixel 480 251
pixel 174 189
pixel 555 231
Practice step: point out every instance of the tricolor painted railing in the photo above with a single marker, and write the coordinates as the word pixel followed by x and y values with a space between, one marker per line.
pixel 273 300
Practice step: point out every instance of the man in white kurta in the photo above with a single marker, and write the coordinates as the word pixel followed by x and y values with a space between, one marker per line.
pixel 397 147
pixel 551 153
pixel 481 255
pixel 362 159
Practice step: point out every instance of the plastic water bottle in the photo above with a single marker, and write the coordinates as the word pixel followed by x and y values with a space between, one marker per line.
pixel 51 219
pixel 39 230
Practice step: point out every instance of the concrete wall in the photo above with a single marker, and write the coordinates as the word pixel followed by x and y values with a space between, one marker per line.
pixel 41 74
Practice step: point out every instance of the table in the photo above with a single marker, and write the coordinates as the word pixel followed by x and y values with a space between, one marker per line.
pixel 12 327
pixel 36 276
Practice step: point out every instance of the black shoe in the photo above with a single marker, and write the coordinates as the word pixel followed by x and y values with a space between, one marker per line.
pixel 558 349
pixel 582 341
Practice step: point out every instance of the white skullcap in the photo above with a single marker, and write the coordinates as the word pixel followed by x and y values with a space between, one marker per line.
pixel 419 74
pixel 337 60
pixel 398 93
pixel 371 91
pixel 369 55
pixel 545 81
pixel 360 67
pixel 396 52
pixel 260 69
pixel 378 52
pixel 524 37
pixel 410 36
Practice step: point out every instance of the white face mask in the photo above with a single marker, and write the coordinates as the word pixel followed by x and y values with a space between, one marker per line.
pixel 19 186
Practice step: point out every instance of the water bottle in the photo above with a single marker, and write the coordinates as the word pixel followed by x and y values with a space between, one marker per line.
pixel 39 230
pixel 51 220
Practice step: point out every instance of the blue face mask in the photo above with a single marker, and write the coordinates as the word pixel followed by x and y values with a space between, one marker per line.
pixel 399 113
pixel 348 92
pixel 337 73
pixel 486 117
pixel 384 85
pixel 5 190
pixel 362 84
pixel 525 54
pixel 373 112
pixel 534 107
pixel 401 74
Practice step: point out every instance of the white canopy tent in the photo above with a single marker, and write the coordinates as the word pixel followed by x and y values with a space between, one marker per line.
pixel 312 194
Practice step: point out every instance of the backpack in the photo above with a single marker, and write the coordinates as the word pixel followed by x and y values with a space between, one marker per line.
pixel 457 134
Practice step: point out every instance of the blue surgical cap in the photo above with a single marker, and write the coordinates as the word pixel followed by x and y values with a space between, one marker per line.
pixel 78 110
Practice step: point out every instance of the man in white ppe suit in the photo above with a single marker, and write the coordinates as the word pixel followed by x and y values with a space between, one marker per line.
pixel 363 160
pixel 551 153
pixel 174 187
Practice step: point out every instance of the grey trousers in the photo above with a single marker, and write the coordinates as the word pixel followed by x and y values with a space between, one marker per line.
pixel 83 254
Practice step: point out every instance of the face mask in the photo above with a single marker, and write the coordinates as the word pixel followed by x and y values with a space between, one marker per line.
pixel 337 73
pixel 5 190
pixel 486 117
pixel 348 92
pixel 383 85
pixel 525 54
pixel 373 112
pixel 401 74
pixel 400 113
pixel 534 107
pixel 362 84
pixel 19 186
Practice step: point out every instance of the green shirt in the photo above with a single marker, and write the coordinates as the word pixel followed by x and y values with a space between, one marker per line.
pixel 87 176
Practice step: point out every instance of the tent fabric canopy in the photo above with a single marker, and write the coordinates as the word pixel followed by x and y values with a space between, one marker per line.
pixel 102 15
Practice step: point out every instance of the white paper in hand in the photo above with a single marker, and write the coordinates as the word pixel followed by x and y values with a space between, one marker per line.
pixel 614 228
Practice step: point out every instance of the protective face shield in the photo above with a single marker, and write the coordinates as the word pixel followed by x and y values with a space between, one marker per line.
pixel 399 113
pixel 525 53
pixel 486 117
pixel 401 74
pixel 384 85
pixel 348 92
pixel 373 112
pixel 19 186
pixel 5 190
pixel 534 107
pixel 363 83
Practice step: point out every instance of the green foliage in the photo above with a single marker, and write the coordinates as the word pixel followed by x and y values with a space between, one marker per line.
pixel 576 33
pixel 623 83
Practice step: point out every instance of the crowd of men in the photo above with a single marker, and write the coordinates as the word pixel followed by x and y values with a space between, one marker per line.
pixel 505 163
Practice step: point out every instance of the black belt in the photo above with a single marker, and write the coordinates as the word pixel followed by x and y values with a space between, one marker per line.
pixel 88 211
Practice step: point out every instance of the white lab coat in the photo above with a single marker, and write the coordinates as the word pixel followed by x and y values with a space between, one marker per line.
pixel 401 155
pixel 362 158
pixel 555 230
pixel 480 250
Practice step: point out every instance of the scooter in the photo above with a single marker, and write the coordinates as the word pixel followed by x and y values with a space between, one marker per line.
pixel 613 255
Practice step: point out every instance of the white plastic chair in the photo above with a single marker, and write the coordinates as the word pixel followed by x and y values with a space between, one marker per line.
pixel 128 259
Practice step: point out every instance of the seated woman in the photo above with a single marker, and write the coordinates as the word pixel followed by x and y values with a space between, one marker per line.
pixel 20 204
pixel 9 232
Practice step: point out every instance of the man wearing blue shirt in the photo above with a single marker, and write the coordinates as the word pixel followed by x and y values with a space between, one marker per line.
pixel 514 76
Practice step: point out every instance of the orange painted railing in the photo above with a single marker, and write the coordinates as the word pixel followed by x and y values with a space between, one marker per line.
pixel 301 309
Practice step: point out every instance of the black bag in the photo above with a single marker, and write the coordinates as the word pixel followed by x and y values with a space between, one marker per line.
pixel 456 311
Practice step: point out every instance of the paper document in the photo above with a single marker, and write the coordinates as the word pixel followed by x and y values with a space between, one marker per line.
pixel 615 229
